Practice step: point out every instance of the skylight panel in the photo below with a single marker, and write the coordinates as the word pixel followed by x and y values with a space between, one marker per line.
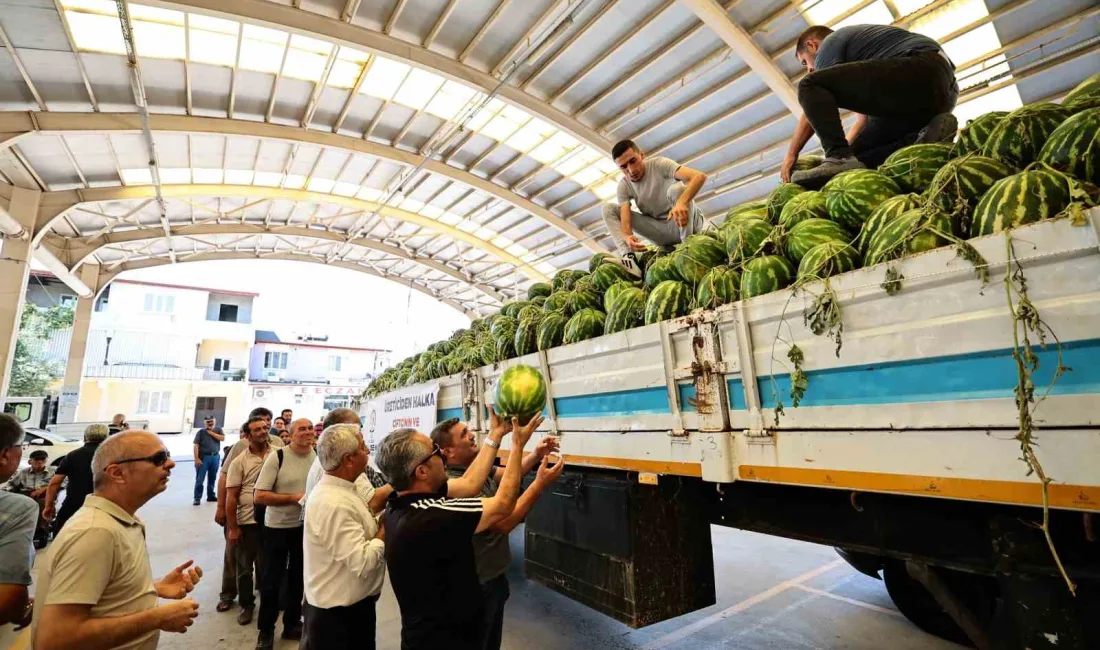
pixel 307 44
pixel 175 176
pixel 873 14
pixel 501 241
pixel 467 226
pixel 159 41
pixel 139 176
pixel 587 176
pixel 208 176
pixel 239 176
pixel 606 190
pixel 322 185
pixel 307 66
pixel 411 205
pixel 450 219
pixel 262 49
pixel 973 44
pixel 369 194
pixel 431 211
pixel 152 14
pixel 906 7
pixel 554 148
pixel 352 55
pixel 1002 99
pixel 606 166
pixel 345 189
pixel 212 40
pixel 530 135
pixel 479 119
pixel 294 181
pixel 517 250
pixel 485 234
pixel 577 160
pixel 823 11
pixel 95 6
pixel 947 19
pixel 344 73
pixel 546 268
pixel 95 33
pixel 450 101
pixel 268 179
pixel 419 88
pixel 384 78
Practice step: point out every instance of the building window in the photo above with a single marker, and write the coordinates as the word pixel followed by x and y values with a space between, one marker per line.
pixel 154 401
pixel 160 304
pixel 68 301
pixel 334 363
pixel 275 360
pixel 221 365
pixel 227 313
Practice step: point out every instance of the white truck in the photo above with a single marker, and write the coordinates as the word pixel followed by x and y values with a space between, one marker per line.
pixel 909 449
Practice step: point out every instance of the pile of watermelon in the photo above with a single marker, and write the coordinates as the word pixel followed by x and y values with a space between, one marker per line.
pixel 1004 170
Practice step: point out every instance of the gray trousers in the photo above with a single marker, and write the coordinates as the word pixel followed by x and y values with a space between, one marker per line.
pixel 658 229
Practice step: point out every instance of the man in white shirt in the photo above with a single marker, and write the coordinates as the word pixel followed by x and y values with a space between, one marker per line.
pixel 344 551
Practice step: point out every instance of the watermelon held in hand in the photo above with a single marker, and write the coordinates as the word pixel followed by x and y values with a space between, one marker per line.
pixel 717 288
pixel 807 205
pixel 550 331
pixel 745 238
pixel 520 393
pixel 811 232
pixel 886 212
pixel 698 255
pixel 851 196
pixel 670 299
pixel 976 132
pixel 607 274
pixel 914 167
pixel 585 324
pixel 626 311
pixel 765 274
pixel 1037 193
pixel 1074 147
pixel 1020 136
pixel 538 289
pixel 779 197
pixel 961 183
pixel 661 270
pixel 828 259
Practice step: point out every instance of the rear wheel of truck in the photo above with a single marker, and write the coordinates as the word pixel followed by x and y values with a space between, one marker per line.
pixel 913 600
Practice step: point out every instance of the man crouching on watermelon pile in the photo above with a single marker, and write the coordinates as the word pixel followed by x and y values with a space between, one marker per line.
pixel 901 85
pixel 663 191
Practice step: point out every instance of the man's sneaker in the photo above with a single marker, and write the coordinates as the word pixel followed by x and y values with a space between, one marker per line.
pixel 813 179
pixel 941 128
pixel 265 641
pixel 293 633
pixel 628 262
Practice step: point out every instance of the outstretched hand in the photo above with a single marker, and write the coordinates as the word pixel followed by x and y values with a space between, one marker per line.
pixel 546 446
pixel 521 434
pixel 548 473
pixel 180 581
pixel 498 426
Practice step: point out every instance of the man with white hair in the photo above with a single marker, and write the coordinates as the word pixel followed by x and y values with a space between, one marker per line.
pixel 96 587
pixel 77 467
pixel 343 548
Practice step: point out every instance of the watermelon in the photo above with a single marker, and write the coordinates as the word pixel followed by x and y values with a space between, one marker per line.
pixel 765 274
pixel 745 239
pixel 718 287
pixel 961 183
pixel 827 259
pixel 583 298
pixel 627 311
pixel 807 162
pixel 526 339
pixel 596 260
pixel 584 325
pixel 607 274
pixel 811 232
pixel 661 270
pixel 551 331
pixel 1020 136
pixel 886 212
pixel 1084 93
pixel 698 255
pixel 913 167
pixel 807 205
pixel 512 309
pixel 670 299
pixel 558 302
pixel 1036 193
pixel 566 279
pixel 538 301
pixel 976 132
pixel 851 196
pixel 520 393
pixel 530 312
pixel 914 232
pixel 613 292
pixel 538 289
pixel 1074 147
pixel 779 197
pixel 503 325
pixel 505 347
pixel 757 208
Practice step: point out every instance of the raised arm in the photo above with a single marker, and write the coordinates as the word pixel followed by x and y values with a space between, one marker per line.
pixel 546 476
pixel 474 478
pixel 501 505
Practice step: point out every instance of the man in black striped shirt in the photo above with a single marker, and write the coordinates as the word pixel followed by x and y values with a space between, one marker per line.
pixel 429 525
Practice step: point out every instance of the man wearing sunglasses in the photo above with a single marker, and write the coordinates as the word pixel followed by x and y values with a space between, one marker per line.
pixel 429 532
pixel 96 587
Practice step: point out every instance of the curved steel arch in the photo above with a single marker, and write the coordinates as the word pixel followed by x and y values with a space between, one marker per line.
pixel 105 277
pixel 56 204
pixel 17 124
pixel 74 257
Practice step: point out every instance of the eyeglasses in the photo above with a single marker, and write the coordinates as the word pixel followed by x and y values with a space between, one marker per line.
pixel 436 451
pixel 158 459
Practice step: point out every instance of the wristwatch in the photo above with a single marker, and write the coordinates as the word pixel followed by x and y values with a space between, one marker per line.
pixel 489 442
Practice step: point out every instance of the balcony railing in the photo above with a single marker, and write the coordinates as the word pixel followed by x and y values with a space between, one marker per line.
pixel 209 374
pixel 142 371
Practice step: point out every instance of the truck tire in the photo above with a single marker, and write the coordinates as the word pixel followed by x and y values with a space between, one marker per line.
pixel 921 608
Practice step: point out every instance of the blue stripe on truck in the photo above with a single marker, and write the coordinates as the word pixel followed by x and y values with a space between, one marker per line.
pixel 445 414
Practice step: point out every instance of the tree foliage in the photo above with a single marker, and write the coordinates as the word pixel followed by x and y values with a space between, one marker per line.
pixel 30 372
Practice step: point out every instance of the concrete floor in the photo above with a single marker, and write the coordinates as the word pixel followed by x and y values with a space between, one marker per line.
pixel 772 594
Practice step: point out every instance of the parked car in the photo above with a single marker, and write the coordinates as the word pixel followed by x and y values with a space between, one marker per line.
pixel 54 444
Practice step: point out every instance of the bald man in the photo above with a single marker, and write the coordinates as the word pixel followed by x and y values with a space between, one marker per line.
pixel 96 588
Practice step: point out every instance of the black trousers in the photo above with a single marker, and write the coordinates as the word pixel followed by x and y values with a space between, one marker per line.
pixel 282 564
pixel 496 593
pixel 250 555
pixel 899 96
pixel 340 628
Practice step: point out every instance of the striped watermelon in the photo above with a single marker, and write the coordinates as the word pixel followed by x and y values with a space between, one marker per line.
pixel 504 347
pixel 914 232
pixel 613 292
pixel 538 289
pixel 530 312
pixel 1074 147
pixel 670 299
pixel 520 393
pixel 539 301
pixel 607 274
pixel 698 255
pixel 886 212
pixel 513 309
pixel 976 132
pixel 718 287
pixel 779 197
pixel 959 186
pixel 1020 136
pixel 851 196
pixel 551 331
pixel 913 167
pixel 596 260
pixel 766 274
pixel 584 325
pixel 1085 93
pixel 526 339
pixel 811 232
pixel 566 279
pixel 1036 193
pixel 660 270
pixel 745 239
pixel 503 325
pixel 807 205
pixel 757 208
pixel 807 162
pixel 558 302
pixel 584 298
pixel 626 312
pixel 828 259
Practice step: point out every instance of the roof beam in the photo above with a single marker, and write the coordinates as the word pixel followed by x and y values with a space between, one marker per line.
pixel 739 40
pixel 27 124
pixel 22 69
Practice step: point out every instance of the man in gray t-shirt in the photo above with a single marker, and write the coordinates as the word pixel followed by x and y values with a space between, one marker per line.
pixel 280 488
pixel 663 192
pixel 18 515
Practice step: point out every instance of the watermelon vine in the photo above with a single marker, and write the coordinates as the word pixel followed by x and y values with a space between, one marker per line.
pixel 892 283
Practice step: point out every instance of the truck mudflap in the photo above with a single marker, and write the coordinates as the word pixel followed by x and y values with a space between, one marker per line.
pixel 639 553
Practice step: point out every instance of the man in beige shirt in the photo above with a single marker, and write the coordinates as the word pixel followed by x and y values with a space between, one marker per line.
pixel 96 587
pixel 245 527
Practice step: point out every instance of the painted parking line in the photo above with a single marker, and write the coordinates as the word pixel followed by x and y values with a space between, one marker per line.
pixel 703 623
pixel 850 601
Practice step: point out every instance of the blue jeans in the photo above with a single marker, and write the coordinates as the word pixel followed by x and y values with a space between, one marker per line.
pixel 209 469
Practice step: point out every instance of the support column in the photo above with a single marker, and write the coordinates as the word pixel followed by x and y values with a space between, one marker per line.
pixel 78 344
pixel 15 255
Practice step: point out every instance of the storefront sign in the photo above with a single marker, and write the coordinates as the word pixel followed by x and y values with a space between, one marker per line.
pixel 412 408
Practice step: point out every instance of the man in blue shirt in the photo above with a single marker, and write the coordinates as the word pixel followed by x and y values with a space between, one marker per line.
pixel 207 446
pixel 901 85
